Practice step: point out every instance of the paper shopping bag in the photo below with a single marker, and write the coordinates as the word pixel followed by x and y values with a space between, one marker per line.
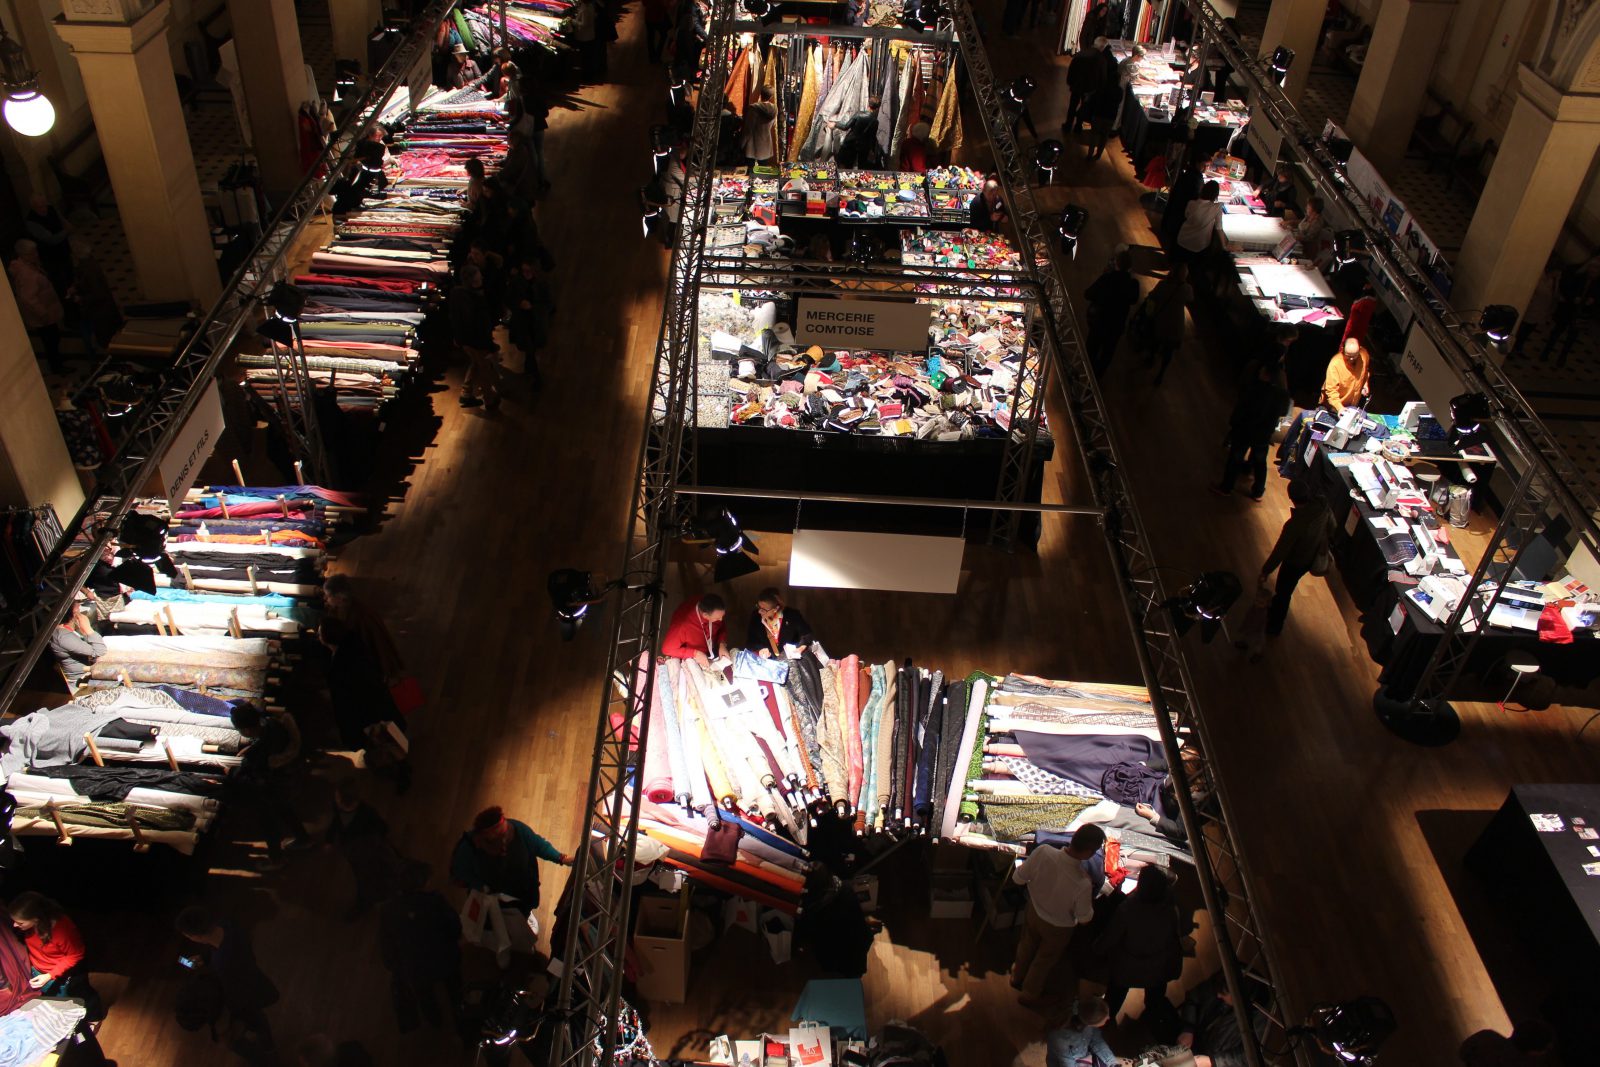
pixel 407 695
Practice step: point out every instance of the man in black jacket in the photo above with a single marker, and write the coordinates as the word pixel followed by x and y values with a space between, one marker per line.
pixel 1111 298
pixel 419 934
pixel 1262 402
pixel 472 323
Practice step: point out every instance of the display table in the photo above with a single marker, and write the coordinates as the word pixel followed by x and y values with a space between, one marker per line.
pixel 1399 633
pixel 1540 858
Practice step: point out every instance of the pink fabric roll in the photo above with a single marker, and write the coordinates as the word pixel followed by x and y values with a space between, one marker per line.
pixel 850 675
pixel 657 779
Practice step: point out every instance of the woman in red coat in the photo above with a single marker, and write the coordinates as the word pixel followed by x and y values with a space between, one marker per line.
pixel 55 948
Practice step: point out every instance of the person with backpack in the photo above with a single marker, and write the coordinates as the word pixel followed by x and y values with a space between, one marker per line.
pixel 1302 548
pixel 1160 320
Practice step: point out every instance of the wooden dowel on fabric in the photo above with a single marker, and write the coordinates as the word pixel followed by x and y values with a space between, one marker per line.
pixel 161 625
pixel 299 473
pixel 283 505
pixel 188 579
pixel 238 472
pixel 139 843
pixel 222 502
pixel 172 623
pixel 234 628
pixel 122 676
pixel 255 588
pixel 172 760
pixel 94 750
pixel 62 837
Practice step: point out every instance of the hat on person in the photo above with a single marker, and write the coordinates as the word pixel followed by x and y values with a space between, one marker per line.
pixel 460 49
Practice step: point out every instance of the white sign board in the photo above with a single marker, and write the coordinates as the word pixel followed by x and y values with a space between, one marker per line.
pixel 880 324
pixel 1436 383
pixel 851 559
pixel 189 452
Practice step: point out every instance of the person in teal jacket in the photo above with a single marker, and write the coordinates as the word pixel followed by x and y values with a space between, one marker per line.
pixel 501 856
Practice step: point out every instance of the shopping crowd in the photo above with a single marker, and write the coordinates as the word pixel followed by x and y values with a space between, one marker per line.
pixel 58 284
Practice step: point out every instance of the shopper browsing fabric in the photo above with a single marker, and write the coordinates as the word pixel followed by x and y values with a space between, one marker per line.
pixel 76 646
pixel 697 630
pixel 1312 230
pixel 1262 402
pixel 988 211
pixel 532 305
pixel 1348 375
pixel 419 936
pixel 1200 221
pixel 1302 545
pixel 1110 298
pixel 262 780
pixel 362 836
pixel 55 949
pixel 775 627
pixel 1060 898
pixel 472 322
pixel 859 144
pixel 461 71
pixel 226 955
pixel 500 856
pixel 1143 945
pixel 1083 79
pixel 1079 1040
pixel 363 706
pixel 1161 318
pixel 1105 105
pixel 339 601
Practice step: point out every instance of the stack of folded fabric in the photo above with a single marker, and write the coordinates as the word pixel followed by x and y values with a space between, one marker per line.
pixel 372 285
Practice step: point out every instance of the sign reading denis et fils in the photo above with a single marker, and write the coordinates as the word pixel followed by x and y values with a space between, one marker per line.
pixel 881 324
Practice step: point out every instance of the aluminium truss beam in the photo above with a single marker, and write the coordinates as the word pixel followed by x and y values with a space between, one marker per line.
pixel 1547 479
pixel 589 993
pixel 1243 947
pixel 152 428
pixel 795 276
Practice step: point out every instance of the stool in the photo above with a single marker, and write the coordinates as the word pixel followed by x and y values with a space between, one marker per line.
pixel 1521 664
pixel 1426 475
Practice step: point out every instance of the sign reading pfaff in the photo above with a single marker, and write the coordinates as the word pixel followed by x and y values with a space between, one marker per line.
pixel 182 463
pixel 880 324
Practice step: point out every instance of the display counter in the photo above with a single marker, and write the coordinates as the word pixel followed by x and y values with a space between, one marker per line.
pixel 1157 98
pixel 1400 565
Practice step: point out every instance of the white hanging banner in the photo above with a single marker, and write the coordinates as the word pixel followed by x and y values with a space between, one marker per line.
pixel 855 559
pixel 189 452
pixel 879 324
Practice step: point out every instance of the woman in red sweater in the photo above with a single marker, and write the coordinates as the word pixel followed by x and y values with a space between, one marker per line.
pixel 55 947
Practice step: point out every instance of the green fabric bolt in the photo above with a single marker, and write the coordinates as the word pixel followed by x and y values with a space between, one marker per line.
pixel 1012 817
pixel 114 815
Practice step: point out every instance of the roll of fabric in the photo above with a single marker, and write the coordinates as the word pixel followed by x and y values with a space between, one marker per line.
pixel 691 843
pixel 666 697
pixel 657 777
pixel 835 768
pixel 927 740
pixel 694 762
pixel 850 693
pixel 966 754
pixel 883 776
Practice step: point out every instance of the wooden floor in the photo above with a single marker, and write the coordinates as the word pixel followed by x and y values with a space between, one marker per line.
pixel 1354 837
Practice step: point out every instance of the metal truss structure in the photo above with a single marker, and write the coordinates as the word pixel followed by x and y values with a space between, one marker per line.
pixel 1225 880
pixel 1548 483
pixel 801 277
pixel 599 891
pixel 292 399
pixel 156 424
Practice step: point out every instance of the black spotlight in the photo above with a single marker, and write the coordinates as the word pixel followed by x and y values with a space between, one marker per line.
pixel 1352 1032
pixel 735 551
pixel 912 16
pixel 571 594
pixel 285 305
pixel 1070 228
pixel 1047 157
pixel 1498 321
pixel 1018 91
pixel 1206 602
pixel 1347 245
pixel 1469 420
pixel 1282 60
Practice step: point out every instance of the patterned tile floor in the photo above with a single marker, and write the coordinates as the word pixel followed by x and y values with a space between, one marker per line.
pixel 215 141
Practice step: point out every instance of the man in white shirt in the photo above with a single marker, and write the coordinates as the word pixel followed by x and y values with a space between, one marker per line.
pixel 1060 897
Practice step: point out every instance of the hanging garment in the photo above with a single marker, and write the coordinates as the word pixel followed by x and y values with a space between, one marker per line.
pixel 888 106
pixel 906 107
pixel 738 91
pixel 808 104
pixel 948 116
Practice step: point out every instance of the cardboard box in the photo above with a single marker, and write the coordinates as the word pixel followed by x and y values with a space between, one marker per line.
pixel 662 948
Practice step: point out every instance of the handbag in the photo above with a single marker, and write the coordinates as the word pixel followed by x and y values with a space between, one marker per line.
pixel 1322 562
pixel 407 695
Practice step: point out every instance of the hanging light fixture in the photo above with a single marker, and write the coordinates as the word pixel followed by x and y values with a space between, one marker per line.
pixel 27 110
